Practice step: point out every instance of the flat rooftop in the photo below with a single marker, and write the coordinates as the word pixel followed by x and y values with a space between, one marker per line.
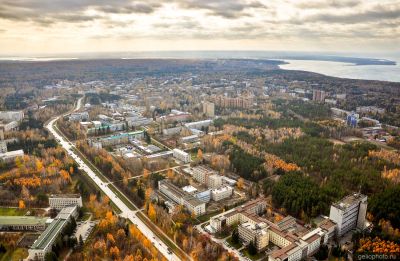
pixel 65 196
pixel 22 220
pixel 350 200
pixel 48 235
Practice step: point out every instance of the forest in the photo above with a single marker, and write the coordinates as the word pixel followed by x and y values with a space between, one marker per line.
pixel 245 164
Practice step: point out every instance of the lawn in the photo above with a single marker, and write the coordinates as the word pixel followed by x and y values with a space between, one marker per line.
pixel 86 216
pixel 207 217
pixel 235 245
pixel 252 257
pixel 12 212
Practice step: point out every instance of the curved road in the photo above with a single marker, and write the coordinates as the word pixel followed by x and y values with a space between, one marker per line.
pixel 125 211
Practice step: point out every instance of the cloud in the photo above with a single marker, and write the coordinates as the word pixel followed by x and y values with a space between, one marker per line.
pixel 286 21
pixel 225 8
pixel 144 8
pixel 51 11
pixel 328 4
pixel 375 13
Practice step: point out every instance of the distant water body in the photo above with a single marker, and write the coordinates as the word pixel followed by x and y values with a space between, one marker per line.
pixel 331 68
pixel 346 70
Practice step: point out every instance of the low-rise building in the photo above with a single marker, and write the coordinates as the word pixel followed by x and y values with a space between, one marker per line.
pixel 45 241
pixel 194 205
pixel 11 116
pixel 221 193
pixel 23 223
pixel 122 138
pixel 204 196
pixel 60 201
pixel 181 155
pixel 10 156
pixel 198 125
pixel 79 116
pixel 135 121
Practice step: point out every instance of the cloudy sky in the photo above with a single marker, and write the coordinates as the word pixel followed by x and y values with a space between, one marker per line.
pixel 68 26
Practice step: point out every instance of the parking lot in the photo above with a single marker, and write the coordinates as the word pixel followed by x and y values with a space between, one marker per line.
pixel 84 229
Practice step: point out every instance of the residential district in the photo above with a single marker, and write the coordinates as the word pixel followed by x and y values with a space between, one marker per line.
pixel 208 166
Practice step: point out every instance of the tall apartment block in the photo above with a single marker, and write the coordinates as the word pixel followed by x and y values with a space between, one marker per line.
pixel 349 213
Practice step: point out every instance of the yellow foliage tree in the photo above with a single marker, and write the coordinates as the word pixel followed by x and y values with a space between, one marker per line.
pixel 152 212
pixel 21 204
pixel 240 183
pixel 170 174
pixel 199 154
pixel 146 173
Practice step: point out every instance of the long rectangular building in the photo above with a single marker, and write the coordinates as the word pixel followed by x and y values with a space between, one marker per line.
pixel 45 241
pixel 117 139
pixel 22 223
pixel 182 197
pixel 60 201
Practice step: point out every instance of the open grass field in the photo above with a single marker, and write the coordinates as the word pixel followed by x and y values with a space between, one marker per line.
pixel 4 211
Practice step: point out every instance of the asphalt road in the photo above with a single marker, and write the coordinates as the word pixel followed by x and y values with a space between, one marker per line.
pixel 125 211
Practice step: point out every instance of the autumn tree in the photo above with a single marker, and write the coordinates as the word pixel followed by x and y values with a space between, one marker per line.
pixel 200 155
pixel 240 183
pixel 21 204
pixel 152 212
pixel 170 174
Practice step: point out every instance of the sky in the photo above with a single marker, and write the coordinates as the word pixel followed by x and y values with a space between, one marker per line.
pixel 79 26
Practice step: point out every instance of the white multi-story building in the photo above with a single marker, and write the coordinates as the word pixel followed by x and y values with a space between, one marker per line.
pixel 194 205
pixel 137 120
pixel 10 156
pixel 60 201
pixel 79 116
pixel 221 193
pixel 181 155
pixel 214 181
pixel 256 233
pixel 121 138
pixel 9 126
pixel 349 213
pixel 207 176
pixel 198 125
pixel 294 241
pixel 3 146
pixel 11 115
pixel 209 109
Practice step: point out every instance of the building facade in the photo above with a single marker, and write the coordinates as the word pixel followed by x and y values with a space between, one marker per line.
pixel 209 109
pixel 181 197
pixel 22 223
pixel 60 201
pixel 221 193
pixel 45 241
pixel 181 155
pixel 349 213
